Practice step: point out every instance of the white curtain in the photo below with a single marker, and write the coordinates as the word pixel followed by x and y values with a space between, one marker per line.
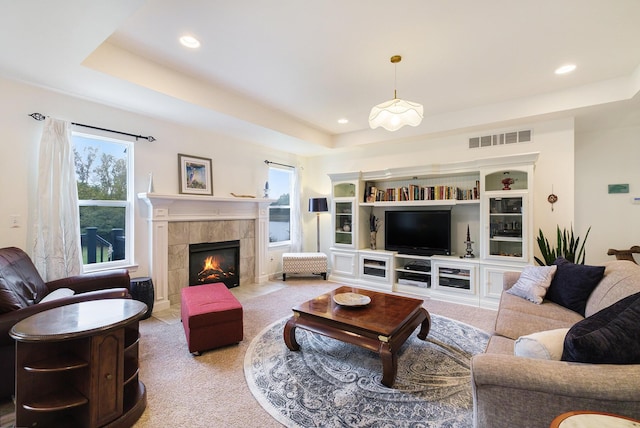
pixel 296 219
pixel 57 251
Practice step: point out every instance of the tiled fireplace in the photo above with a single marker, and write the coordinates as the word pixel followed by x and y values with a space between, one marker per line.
pixel 176 221
pixel 183 234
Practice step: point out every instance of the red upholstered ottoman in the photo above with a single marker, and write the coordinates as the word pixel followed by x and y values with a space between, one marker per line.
pixel 211 317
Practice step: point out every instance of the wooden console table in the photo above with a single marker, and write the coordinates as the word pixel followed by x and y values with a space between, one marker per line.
pixel 77 365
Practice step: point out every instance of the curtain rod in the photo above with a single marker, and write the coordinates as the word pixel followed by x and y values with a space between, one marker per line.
pixel 281 164
pixel 40 116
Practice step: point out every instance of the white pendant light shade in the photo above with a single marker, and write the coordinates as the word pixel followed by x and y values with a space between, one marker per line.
pixel 394 114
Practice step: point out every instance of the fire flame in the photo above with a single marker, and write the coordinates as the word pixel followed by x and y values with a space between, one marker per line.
pixel 212 269
pixel 211 263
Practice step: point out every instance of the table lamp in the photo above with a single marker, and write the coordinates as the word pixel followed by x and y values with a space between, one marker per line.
pixel 318 205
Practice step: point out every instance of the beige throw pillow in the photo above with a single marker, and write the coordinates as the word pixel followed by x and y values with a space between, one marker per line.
pixel 57 294
pixel 533 283
pixel 544 345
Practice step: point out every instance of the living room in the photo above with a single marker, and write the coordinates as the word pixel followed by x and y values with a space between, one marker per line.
pixel 585 136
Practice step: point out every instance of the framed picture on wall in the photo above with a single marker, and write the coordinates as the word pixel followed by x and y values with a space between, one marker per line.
pixel 196 177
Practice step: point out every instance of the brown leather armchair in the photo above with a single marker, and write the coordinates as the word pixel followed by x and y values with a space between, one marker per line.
pixel 21 292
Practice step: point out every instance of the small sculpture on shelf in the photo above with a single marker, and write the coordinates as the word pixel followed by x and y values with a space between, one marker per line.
pixel 150 188
pixel 469 254
pixel 374 224
pixel 506 183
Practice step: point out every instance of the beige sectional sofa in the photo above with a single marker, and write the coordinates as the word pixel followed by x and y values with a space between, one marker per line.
pixel 513 391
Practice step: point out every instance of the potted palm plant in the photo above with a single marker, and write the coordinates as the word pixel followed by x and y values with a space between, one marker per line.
pixel 567 246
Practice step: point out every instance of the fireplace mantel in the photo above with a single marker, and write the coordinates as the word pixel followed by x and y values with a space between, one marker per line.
pixel 166 208
pixel 196 207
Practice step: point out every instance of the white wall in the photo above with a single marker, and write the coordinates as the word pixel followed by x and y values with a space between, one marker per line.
pixel 554 140
pixel 237 166
pixel 608 156
pixel 601 158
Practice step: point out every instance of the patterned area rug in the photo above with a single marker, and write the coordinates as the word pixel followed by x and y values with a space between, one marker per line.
pixel 329 383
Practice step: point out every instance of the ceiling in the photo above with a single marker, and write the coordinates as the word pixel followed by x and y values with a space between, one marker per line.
pixel 281 73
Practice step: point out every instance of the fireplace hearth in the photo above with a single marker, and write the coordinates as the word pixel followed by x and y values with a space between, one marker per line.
pixel 211 262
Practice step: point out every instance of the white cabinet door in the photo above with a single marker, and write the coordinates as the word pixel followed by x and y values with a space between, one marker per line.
pixel 344 264
pixel 491 278
pixel 452 277
pixel 376 267
pixel 506 228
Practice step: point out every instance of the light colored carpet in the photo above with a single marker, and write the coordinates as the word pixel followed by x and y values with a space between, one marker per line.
pixel 329 383
pixel 211 390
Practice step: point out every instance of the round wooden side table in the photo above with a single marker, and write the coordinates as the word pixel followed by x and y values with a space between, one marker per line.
pixel 77 365
pixel 590 419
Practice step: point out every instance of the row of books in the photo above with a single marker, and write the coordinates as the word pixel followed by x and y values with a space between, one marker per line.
pixel 414 192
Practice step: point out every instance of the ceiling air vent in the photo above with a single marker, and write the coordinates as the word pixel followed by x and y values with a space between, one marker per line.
pixel 523 136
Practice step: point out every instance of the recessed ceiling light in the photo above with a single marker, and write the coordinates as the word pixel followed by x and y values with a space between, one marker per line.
pixel 565 69
pixel 190 42
pixel 343 121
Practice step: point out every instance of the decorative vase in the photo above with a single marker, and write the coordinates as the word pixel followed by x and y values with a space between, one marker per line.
pixel 373 240
pixel 150 188
pixel 141 289
pixel 507 182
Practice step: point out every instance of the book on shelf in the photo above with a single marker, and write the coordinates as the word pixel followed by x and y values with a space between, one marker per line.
pixel 370 193
pixel 404 194
pixel 415 192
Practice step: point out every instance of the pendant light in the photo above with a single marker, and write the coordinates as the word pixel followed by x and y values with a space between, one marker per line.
pixel 396 113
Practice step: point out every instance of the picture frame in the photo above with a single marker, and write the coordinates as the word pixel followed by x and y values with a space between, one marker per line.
pixel 195 175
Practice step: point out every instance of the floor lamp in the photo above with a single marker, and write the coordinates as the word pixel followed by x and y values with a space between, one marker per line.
pixel 318 205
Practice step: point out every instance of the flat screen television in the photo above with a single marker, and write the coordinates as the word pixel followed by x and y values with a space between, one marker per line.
pixel 422 233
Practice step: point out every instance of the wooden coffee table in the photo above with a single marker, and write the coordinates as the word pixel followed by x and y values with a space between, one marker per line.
pixel 381 326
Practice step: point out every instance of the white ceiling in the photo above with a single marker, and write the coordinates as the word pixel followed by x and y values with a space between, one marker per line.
pixel 282 72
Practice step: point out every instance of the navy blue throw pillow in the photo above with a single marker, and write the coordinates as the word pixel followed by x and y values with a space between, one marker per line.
pixel 610 336
pixel 573 283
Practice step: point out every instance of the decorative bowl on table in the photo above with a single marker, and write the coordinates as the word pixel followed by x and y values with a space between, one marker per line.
pixel 351 299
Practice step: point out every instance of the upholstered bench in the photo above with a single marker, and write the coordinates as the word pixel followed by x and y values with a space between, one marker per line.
pixel 314 263
pixel 211 317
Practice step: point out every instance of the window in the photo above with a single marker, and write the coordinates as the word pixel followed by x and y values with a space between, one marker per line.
pixel 280 188
pixel 105 199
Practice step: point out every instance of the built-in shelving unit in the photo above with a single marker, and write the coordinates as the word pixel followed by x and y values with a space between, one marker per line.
pixel 493 194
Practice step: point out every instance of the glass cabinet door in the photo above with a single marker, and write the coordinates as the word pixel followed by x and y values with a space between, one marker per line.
pixel 344 223
pixel 344 214
pixel 344 190
pixel 506 224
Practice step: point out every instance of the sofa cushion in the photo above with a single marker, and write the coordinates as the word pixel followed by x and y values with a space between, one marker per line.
pixel 543 345
pixel 610 336
pixel 57 294
pixel 20 282
pixel 518 317
pixel 621 279
pixel 573 283
pixel 533 283
pixel 500 345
